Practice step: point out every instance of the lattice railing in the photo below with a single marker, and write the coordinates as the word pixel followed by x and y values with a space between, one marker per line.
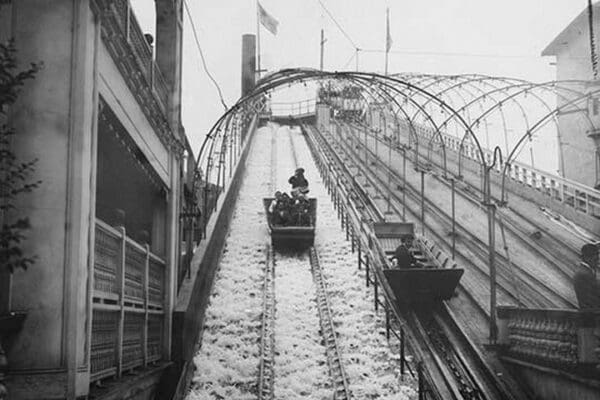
pixel 562 339
pixel 121 13
pixel 128 303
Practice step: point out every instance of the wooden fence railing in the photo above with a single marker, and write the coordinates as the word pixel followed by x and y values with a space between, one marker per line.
pixel 128 304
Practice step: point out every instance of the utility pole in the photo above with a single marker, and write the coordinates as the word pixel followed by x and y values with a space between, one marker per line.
pixel 257 43
pixel 357 50
pixel 593 54
pixel 388 38
pixel 323 40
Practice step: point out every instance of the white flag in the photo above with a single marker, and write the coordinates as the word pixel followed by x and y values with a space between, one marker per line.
pixel 267 20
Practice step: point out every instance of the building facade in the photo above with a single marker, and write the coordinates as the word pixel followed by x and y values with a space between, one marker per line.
pixel 103 120
pixel 579 155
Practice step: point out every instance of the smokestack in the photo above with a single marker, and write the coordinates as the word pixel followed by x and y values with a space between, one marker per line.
pixel 248 63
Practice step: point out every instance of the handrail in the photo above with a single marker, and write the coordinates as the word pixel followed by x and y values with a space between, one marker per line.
pixel 122 12
pixel 115 233
pixel 294 109
pixel 365 236
pixel 574 194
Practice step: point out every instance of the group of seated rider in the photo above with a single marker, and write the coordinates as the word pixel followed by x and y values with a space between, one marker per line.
pixel 403 255
pixel 292 210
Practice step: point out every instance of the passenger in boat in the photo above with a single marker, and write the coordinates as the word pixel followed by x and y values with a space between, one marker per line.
pixel 403 258
pixel 276 200
pixel 299 183
pixel 585 281
pixel 280 208
pixel 301 211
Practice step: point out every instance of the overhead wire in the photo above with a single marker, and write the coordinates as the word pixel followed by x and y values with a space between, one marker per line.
pixel 338 24
pixel 189 14
pixel 457 54
pixel 349 61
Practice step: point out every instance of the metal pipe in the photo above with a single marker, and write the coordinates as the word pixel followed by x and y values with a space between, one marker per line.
pixel 389 183
pixel 422 202
pixel 367 269
pixel 404 185
pixel 492 255
pixel 375 292
pixel 453 218
pixel 402 355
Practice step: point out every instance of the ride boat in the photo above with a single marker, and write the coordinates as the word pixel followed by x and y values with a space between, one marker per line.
pixel 290 235
pixel 433 277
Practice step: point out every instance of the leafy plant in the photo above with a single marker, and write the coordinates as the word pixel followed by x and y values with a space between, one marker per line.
pixel 15 175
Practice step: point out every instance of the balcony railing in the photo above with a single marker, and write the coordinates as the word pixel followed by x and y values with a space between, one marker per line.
pixel 562 339
pixel 296 109
pixel 140 47
pixel 572 194
pixel 132 52
pixel 128 304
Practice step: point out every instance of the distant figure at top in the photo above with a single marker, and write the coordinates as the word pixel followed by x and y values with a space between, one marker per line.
pixel 585 281
pixel 403 258
pixel 299 183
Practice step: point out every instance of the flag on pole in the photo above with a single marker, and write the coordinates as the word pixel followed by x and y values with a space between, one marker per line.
pixel 267 20
pixel 388 38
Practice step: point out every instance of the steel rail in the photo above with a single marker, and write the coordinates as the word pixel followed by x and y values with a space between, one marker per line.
pixel 552 253
pixel 339 380
pixel 476 245
pixel 463 390
pixel 266 381
pixel 516 229
pixel 438 384
pixel 444 372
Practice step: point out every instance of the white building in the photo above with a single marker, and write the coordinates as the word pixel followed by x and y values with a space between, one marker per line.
pixel 578 146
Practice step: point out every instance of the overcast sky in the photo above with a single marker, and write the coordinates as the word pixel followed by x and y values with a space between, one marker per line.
pixel 500 37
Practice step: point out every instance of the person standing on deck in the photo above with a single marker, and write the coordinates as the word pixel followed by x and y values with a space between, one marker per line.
pixel 299 183
pixel 585 281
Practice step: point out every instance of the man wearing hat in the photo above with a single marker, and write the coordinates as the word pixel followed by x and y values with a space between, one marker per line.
pixel 299 183
pixel 585 281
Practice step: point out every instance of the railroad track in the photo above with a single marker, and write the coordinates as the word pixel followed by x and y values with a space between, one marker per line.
pixel 266 380
pixel 451 353
pixel 564 257
pixel 439 336
pixel 339 380
pixel 539 293
pixel 266 374
pixel 334 149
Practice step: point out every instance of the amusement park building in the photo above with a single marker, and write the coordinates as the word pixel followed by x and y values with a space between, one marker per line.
pixel 102 117
pixel 578 143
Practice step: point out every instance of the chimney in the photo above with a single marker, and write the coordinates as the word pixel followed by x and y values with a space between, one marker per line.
pixel 248 63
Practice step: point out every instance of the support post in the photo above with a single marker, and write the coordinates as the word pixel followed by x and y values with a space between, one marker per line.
pixel 422 202
pixel 322 48
pixel 367 269
pixel 421 386
pixel 404 185
pixel 387 321
pixel 453 218
pixel 258 67
pixel 389 183
pixel 491 254
pixel 402 352
pixel 376 292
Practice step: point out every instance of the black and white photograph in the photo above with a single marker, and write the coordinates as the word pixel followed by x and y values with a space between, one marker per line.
pixel 285 199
